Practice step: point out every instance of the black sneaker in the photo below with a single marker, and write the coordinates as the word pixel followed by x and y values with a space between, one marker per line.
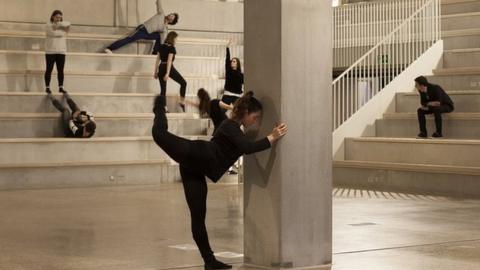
pixel 437 135
pixel 48 91
pixel 422 135
pixel 61 90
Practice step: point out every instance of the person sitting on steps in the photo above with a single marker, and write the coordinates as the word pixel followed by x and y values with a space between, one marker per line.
pixel 434 101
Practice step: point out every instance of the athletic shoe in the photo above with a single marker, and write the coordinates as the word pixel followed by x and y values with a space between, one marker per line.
pixel 61 90
pixel 48 91
pixel 108 51
pixel 422 135
pixel 437 135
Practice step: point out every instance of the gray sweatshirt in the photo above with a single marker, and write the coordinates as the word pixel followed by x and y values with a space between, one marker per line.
pixel 157 22
pixel 56 38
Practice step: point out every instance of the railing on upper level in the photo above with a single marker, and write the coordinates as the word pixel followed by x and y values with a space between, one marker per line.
pixel 386 60
pixel 359 27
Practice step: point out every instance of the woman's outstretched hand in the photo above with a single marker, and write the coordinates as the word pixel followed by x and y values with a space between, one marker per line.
pixel 278 132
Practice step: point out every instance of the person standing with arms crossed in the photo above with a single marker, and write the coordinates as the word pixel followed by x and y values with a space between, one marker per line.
pixel 55 49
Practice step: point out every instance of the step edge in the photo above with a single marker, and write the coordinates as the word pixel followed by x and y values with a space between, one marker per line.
pixel 438 169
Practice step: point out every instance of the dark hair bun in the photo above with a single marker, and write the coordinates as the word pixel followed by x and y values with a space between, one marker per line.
pixel 249 94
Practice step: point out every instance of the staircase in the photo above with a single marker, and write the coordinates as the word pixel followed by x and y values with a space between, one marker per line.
pixel 119 89
pixel 394 160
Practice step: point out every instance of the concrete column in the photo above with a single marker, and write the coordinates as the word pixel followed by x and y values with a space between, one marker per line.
pixel 288 201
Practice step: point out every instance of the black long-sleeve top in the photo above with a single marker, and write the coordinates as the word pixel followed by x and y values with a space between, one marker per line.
pixel 435 93
pixel 233 78
pixel 228 144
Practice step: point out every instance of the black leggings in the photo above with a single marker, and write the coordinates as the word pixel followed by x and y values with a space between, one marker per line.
pixel 194 157
pixel 175 75
pixel 51 59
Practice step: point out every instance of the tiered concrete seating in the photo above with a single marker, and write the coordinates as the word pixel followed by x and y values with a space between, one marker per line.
pixel 394 160
pixel 119 89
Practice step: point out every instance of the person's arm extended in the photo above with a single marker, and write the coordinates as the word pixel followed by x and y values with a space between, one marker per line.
pixel 159 7
pixel 228 65
pixel 157 63
pixel 169 66
pixel 248 147
pixel 225 106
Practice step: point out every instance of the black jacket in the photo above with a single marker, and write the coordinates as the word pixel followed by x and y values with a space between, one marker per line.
pixel 229 143
pixel 435 93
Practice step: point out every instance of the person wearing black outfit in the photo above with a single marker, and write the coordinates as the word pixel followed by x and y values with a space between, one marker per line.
pixel 164 68
pixel 211 108
pixel 76 123
pixel 434 101
pixel 233 79
pixel 212 158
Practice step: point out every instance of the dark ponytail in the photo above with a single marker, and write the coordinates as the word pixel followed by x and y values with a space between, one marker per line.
pixel 245 104
pixel 204 105
pixel 55 13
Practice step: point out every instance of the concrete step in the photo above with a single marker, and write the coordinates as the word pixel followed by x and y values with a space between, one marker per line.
pixel 414 151
pixel 103 103
pixel 99 103
pixel 94 43
pixel 460 6
pixel 457 78
pixel 408 178
pixel 59 150
pixel 103 82
pixel 87 174
pixel 461 21
pixel 29 60
pixel 105 31
pixel 461 39
pixel 48 125
pixel 465 101
pixel 405 125
pixel 461 58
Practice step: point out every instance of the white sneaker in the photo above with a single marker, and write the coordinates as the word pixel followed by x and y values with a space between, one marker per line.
pixel 108 51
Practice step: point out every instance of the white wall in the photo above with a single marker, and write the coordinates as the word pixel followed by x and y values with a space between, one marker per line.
pixel 362 123
pixel 194 14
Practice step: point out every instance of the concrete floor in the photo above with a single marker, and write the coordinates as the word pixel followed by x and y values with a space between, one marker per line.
pixel 147 227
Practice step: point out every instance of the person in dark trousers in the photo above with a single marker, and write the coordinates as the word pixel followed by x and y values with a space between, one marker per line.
pixel 211 108
pixel 164 68
pixel 152 29
pixel 55 49
pixel 434 101
pixel 233 79
pixel 76 123
pixel 212 158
